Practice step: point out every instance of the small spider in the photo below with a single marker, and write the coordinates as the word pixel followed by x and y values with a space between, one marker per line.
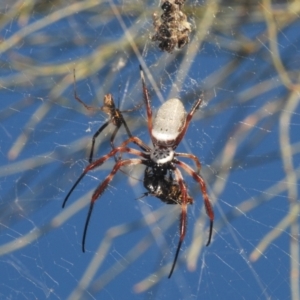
pixel 172 28
pixel 166 131
pixel 164 188
pixel 116 117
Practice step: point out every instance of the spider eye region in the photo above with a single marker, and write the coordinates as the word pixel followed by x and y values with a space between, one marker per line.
pixel 162 155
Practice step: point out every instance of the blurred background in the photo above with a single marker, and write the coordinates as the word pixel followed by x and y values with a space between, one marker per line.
pixel 244 56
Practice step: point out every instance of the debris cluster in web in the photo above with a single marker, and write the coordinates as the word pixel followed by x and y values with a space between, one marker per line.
pixel 172 28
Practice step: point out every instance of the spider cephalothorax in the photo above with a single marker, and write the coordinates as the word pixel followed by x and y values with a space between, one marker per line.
pixel 166 132
pixel 172 28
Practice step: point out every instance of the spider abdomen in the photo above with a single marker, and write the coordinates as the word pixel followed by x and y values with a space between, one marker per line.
pixel 169 122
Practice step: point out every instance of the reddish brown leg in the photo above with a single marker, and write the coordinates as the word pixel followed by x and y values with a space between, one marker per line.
pixel 79 100
pixel 208 206
pixel 147 102
pixel 192 111
pixel 188 120
pixel 136 141
pixel 183 217
pixel 193 157
pixel 101 188
pixel 100 161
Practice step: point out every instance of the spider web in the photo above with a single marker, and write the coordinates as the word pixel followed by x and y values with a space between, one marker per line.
pixel 243 57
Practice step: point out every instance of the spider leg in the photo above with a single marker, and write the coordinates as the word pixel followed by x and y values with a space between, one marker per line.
pixel 118 124
pixel 146 194
pixel 118 121
pixel 92 108
pixel 193 157
pixel 136 107
pixel 100 189
pixel 138 142
pixel 94 139
pixel 116 116
pixel 188 120
pixel 135 140
pixel 112 138
pixel 208 206
pixel 73 187
pixel 100 161
pixel 147 102
pixel 126 127
pixel 183 217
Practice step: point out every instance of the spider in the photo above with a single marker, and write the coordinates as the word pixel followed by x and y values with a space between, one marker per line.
pixel 164 188
pixel 116 118
pixel 166 132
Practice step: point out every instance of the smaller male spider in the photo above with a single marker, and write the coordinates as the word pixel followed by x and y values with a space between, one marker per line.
pixel 115 117
pixel 166 132
pixel 164 188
